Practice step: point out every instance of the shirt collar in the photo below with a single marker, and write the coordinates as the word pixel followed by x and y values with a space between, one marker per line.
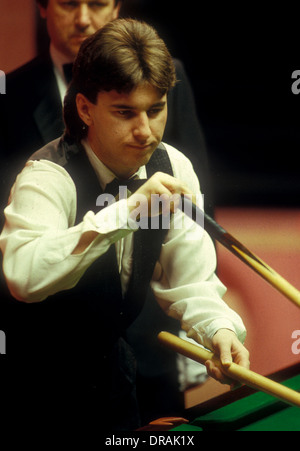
pixel 104 174
pixel 59 59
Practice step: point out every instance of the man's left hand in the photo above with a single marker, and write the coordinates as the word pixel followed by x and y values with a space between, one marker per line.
pixel 229 349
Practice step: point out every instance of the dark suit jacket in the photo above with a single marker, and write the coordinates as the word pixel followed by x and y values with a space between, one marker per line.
pixel 30 116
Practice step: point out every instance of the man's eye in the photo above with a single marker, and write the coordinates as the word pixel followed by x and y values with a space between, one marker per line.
pixel 154 112
pixel 124 113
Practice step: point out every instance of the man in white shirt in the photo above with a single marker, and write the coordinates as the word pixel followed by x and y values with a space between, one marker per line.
pixel 88 270
pixel 31 116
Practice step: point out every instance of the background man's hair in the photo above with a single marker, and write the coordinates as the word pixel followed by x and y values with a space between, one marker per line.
pixel 121 56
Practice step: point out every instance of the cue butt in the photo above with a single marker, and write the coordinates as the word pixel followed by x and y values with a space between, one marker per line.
pixel 234 371
pixel 267 273
pixel 239 250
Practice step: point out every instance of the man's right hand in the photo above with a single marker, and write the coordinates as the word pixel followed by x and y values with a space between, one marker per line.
pixel 160 194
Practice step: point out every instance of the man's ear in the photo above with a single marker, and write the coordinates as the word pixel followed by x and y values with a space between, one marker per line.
pixel 84 109
pixel 116 11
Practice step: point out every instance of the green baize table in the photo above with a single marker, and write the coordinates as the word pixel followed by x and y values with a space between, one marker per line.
pixel 256 412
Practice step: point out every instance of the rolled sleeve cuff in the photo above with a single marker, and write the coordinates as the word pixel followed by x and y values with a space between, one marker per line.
pixel 114 218
pixel 204 337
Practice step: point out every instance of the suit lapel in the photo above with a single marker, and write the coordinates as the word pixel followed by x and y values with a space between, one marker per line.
pixel 48 118
pixel 48 112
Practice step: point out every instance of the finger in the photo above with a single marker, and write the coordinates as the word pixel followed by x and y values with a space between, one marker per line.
pixel 241 355
pixel 216 373
pixel 169 203
pixel 173 185
pixel 225 354
pixel 243 359
pixel 226 359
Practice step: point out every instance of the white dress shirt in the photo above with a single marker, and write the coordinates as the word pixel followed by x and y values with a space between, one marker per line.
pixel 59 59
pixel 39 237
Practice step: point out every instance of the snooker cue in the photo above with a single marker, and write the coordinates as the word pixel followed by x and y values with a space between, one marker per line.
pixel 239 250
pixel 234 371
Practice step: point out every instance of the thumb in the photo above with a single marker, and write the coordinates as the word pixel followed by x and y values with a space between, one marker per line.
pixel 225 355
pixel 223 344
pixel 226 360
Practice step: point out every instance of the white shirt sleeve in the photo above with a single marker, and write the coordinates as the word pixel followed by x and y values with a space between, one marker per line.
pixel 39 235
pixel 185 283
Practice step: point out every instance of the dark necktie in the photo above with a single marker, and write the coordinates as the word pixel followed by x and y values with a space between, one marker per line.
pixel 131 184
pixel 68 72
pixel 136 280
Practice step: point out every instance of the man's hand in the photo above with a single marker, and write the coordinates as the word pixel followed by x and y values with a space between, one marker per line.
pixel 229 349
pixel 161 192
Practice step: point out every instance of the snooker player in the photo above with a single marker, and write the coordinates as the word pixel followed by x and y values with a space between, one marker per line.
pixel 33 106
pixel 84 273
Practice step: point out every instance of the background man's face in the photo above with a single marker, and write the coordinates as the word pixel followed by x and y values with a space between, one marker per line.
pixel 69 23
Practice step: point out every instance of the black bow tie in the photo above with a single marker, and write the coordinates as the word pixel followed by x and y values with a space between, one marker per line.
pixel 131 184
pixel 68 72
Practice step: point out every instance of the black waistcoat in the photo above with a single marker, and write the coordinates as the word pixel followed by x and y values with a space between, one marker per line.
pixel 90 318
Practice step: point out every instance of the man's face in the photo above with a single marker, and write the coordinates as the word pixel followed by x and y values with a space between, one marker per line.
pixel 125 129
pixel 69 23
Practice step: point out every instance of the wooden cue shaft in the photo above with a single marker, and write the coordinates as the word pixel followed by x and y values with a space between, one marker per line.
pixel 236 372
pixel 244 254
pixel 271 276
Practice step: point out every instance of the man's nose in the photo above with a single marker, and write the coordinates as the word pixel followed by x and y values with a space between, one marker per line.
pixel 83 16
pixel 142 129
